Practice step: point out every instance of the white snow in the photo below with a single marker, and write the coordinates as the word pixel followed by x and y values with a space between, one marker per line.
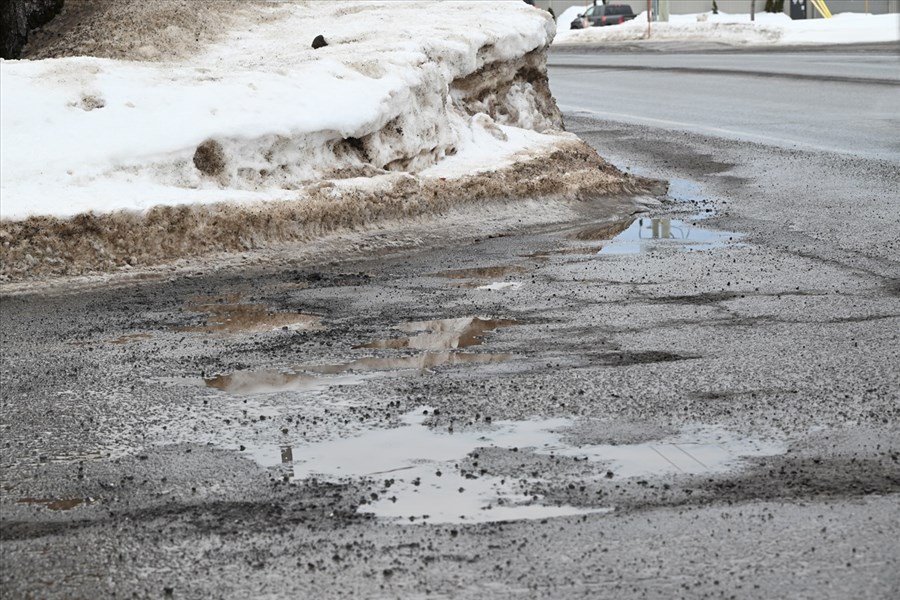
pixel 768 28
pixel 90 134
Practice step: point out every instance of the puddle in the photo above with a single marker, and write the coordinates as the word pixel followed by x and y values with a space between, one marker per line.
pixel 269 382
pixel 482 272
pixel 249 318
pixel 501 285
pixel 443 334
pixel 649 233
pixel 54 504
pixel 423 481
pixel 319 377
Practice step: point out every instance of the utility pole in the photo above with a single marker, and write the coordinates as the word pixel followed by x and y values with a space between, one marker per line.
pixel 752 10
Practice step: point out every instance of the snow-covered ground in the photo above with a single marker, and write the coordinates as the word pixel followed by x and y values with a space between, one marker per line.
pixel 424 88
pixel 768 28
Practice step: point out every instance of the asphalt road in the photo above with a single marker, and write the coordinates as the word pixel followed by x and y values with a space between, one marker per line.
pixel 707 407
pixel 828 101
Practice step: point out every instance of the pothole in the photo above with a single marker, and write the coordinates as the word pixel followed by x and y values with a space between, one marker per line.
pixel 482 272
pixel 318 377
pixel 419 472
pixel 270 381
pixel 493 286
pixel 443 334
pixel 497 286
pixel 651 233
pixel 249 318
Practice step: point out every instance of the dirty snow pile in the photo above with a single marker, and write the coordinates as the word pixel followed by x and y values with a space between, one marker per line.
pixel 403 89
pixel 768 28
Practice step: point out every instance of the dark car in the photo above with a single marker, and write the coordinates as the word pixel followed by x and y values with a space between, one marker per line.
pixel 599 15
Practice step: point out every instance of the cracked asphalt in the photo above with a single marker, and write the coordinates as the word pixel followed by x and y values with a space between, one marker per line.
pixel 135 465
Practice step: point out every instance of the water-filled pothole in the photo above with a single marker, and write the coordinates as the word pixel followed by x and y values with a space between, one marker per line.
pixel 420 471
pixel 318 377
pixel 482 272
pixel 493 286
pixel 443 334
pixel 649 233
pixel 496 286
pixel 235 317
pixel 271 381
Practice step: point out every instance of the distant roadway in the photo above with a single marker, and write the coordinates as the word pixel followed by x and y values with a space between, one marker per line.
pixel 828 99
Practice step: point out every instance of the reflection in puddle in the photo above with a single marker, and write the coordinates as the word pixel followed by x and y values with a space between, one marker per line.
pixel 662 230
pixel 482 272
pixel 268 382
pixel 425 477
pixel 497 286
pixel 53 504
pixel 443 334
pixel 249 318
pixel 352 373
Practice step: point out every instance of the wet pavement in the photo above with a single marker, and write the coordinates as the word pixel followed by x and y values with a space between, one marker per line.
pixel 691 398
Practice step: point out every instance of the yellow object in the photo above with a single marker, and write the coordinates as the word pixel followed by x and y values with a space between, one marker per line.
pixel 822 8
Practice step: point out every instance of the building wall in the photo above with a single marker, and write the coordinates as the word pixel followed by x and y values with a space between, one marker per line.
pixel 677 7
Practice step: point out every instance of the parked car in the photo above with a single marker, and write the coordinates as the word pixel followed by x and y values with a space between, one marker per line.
pixel 600 15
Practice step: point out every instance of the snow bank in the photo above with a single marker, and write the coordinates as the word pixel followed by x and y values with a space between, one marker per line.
pixel 278 140
pixel 768 28
pixel 84 134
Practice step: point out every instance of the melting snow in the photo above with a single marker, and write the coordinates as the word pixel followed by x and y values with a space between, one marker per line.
pixel 92 134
